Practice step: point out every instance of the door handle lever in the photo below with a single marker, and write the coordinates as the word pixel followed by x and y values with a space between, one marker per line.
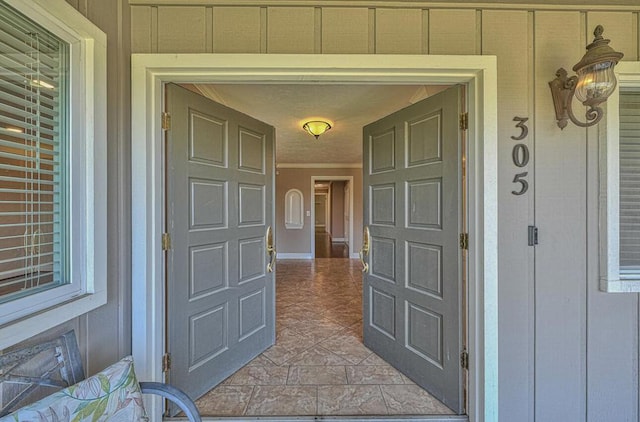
pixel 364 251
pixel 271 250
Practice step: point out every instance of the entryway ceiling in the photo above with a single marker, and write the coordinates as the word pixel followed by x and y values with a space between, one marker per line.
pixel 347 107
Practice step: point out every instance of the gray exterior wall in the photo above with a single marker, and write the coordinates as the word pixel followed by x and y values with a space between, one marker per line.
pixel 104 335
pixel 567 351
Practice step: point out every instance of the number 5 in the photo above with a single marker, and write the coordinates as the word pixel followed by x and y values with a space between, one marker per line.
pixel 519 178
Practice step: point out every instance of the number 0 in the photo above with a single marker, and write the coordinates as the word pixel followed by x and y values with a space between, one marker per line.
pixel 520 155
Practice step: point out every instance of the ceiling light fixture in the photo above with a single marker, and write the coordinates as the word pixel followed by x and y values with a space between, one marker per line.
pixel 316 127
pixel 595 82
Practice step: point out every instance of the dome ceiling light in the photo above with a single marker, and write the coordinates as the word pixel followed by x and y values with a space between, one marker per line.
pixel 316 127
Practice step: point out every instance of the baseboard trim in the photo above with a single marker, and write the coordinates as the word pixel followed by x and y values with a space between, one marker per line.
pixel 294 256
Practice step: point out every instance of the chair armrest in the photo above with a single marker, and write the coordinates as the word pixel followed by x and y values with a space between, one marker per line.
pixel 175 395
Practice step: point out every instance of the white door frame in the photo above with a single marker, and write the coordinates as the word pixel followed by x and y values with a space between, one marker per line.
pixel 479 73
pixel 314 179
pixel 346 215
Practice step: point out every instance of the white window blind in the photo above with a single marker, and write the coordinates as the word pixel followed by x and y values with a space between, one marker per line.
pixel 33 158
pixel 630 184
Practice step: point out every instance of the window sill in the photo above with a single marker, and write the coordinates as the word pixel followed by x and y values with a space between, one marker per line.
pixel 619 286
pixel 29 326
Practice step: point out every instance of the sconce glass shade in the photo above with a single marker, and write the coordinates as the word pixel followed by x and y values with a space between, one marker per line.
pixel 594 82
pixel 316 127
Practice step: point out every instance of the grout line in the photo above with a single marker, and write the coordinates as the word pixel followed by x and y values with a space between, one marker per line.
pixel 253 392
pixel 286 382
pixel 384 400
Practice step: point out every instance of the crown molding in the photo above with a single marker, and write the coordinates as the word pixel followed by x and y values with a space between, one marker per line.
pixel 568 5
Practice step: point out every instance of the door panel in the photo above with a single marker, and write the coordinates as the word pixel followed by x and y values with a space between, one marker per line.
pixel 412 206
pixel 220 297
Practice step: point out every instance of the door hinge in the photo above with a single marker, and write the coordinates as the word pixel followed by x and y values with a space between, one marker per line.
pixel 464 121
pixel 533 235
pixel 464 359
pixel 166 121
pixel 166 241
pixel 166 362
pixel 464 241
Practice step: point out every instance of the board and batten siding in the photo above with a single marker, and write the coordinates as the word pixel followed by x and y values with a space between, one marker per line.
pixel 104 335
pixel 568 352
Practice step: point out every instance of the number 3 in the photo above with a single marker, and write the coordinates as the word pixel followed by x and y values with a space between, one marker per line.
pixel 524 129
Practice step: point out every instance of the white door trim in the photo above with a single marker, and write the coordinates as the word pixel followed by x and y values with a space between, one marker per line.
pixel 150 71
pixel 314 179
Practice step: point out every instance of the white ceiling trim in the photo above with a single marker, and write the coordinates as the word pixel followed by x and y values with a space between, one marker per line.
pixel 319 165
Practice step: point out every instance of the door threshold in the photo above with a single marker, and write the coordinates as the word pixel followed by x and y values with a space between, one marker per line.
pixel 426 418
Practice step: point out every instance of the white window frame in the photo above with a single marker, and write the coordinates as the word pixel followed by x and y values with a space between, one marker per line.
pixel 611 280
pixel 87 174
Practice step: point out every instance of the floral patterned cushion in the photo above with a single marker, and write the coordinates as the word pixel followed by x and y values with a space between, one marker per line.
pixel 111 395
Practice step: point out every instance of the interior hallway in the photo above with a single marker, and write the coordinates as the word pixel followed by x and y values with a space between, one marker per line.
pixel 325 248
pixel 318 365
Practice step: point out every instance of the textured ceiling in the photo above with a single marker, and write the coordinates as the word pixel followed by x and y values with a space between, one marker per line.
pixel 347 107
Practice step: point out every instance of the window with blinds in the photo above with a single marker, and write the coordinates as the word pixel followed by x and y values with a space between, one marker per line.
pixel 33 158
pixel 630 184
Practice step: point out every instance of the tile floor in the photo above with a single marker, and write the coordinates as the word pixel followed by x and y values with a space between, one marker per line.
pixel 318 365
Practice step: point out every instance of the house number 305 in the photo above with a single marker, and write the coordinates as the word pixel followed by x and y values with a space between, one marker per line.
pixel 520 155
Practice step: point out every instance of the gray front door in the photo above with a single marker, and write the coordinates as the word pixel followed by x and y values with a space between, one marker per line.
pixel 220 294
pixel 412 207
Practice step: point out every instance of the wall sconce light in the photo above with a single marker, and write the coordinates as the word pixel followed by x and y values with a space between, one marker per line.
pixel 316 127
pixel 594 83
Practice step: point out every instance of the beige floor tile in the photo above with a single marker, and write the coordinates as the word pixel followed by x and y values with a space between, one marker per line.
pixel 317 331
pixel 347 347
pixel 225 400
pixel 281 355
pixel 261 360
pixel 318 356
pixel 411 399
pixel 351 400
pixel 374 359
pixel 283 400
pixel 288 345
pixel 317 375
pixel 288 337
pixel 345 319
pixel 369 374
pixel 319 343
pixel 259 375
